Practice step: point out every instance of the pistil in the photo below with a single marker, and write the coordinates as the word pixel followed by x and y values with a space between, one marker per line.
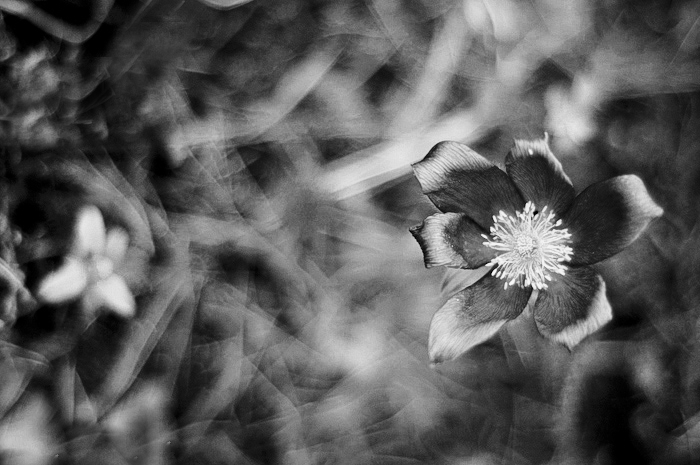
pixel 532 244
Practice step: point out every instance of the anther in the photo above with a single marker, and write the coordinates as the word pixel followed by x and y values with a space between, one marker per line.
pixel 532 247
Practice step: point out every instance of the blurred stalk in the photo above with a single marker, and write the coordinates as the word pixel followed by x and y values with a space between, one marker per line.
pixel 55 26
pixel 379 165
pixel 11 278
pixel 432 86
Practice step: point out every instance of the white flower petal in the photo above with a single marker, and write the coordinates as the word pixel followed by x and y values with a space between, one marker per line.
pixel 27 432
pixel 115 295
pixel 64 284
pixel 116 245
pixel 89 234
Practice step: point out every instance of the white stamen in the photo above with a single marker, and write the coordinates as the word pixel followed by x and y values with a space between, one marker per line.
pixel 533 246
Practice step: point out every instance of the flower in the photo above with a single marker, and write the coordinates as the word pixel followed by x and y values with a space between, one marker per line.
pixel 88 268
pixel 531 230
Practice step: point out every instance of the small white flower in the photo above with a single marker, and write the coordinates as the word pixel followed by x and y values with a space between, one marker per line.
pixel 88 268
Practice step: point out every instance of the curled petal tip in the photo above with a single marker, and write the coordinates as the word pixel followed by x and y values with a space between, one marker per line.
pixel 448 344
pixel 609 216
pixel 538 174
pixel 573 308
pixel 639 196
pixel 459 180
pixel 655 210
pixel 451 239
pixel 444 158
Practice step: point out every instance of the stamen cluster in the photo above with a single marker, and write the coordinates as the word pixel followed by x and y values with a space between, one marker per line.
pixel 533 247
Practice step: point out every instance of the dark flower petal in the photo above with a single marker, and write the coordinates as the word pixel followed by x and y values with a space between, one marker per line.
pixel 573 306
pixel 607 217
pixel 452 239
pixel 457 179
pixel 472 316
pixel 539 176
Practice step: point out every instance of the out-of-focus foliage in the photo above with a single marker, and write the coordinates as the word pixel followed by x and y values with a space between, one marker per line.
pixel 258 159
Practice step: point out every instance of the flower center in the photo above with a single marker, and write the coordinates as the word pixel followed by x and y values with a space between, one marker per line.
pixel 532 245
pixel 99 267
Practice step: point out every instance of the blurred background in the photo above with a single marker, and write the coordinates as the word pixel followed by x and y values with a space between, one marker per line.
pixel 257 153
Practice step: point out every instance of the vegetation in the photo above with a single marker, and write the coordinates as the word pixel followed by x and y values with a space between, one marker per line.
pixel 257 155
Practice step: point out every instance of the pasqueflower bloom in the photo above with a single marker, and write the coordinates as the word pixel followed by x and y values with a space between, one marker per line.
pixel 87 271
pixel 527 224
